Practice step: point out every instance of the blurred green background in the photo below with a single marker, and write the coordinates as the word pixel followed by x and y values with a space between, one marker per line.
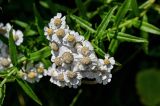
pixel 136 83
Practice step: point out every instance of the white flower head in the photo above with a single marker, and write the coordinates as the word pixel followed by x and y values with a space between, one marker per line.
pixel 48 32
pixel 104 77
pixel 108 62
pixel 40 70
pixel 7 28
pixel 31 76
pixel 73 78
pixel 58 21
pixel 86 48
pixel 5 63
pixel 86 62
pixel 71 38
pixel 18 37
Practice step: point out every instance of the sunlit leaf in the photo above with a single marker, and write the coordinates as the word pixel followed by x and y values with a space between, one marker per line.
pixel 113 46
pixel 85 24
pixel 148 84
pixel 43 53
pixel 122 11
pixel 144 26
pixel 21 23
pixel 27 89
pixel 103 25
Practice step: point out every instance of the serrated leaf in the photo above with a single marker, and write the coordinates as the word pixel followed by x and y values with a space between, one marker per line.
pixel 134 6
pixel 43 53
pixel 103 25
pixel 12 49
pixel 84 24
pixel 145 26
pixel 2 94
pixel 148 85
pixel 113 46
pixel 122 11
pixel 27 89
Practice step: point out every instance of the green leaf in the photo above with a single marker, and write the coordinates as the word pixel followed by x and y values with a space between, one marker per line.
pixel 84 24
pixel 103 25
pixel 98 50
pixel 129 38
pixel 113 46
pixel 148 85
pixel 75 98
pixel 144 26
pixel 145 35
pixel 134 6
pixel 27 89
pixel 38 22
pixel 122 12
pixel 2 94
pixel 81 7
pixel 12 49
pixel 21 23
pixel 43 53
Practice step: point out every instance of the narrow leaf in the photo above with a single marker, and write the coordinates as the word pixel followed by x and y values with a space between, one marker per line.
pixel 2 94
pixel 122 11
pixel 98 50
pixel 12 49
pixel 75 98
pixel 21 23
pixel 145 26
pixel 38 21
pixel 84 24
pixel 43 53
pixel 103 25
pixel 134 6
pixel 113 46
pixel 27 89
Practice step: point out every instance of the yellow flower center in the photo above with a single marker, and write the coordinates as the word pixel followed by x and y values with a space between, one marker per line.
pixel 106 61
pixel 60 77
pixel 71 74
pixel 40 70
pixel 49 31
pixel 85 50
pixel 60 33
pixel 54 46
pixel 57 21
pixel 71 38
pixel 32 75
pixel 58 61
pixel 86 60
pixel 67 57
pixel 5 62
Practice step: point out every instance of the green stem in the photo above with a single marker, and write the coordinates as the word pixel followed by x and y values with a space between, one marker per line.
pixel 5 79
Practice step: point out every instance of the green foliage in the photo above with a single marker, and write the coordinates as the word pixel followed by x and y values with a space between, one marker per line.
pixel 2 94
pixel 27 89
pixel 148 84
pixel 12 49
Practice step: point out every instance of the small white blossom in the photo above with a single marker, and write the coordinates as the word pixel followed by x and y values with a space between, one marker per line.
pixel 58 22
pixel 48 32
pixel 5 63
pixel 18 37
pixel 71 38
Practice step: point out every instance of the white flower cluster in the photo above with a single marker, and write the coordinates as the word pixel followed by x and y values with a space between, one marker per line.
pixel 73 57
pixel 5 61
